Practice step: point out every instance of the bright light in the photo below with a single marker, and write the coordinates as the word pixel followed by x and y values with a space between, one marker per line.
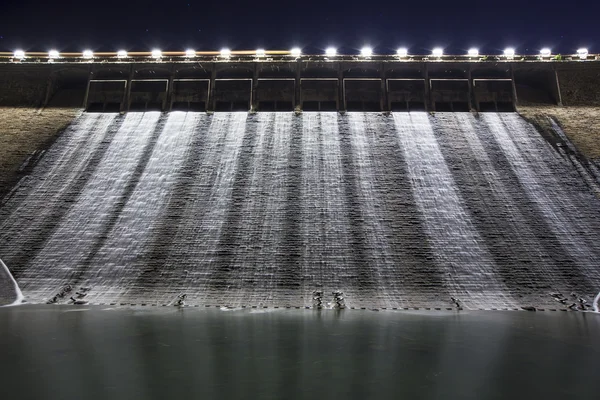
pixel 437 52
pixel 121 54
pixel 190 53
pixel 582 53
pixel 473 52
pixel 366 51
pixel 225 53
pixel 509 52
pixel 156 53
pixel 545 52
pixel 402 52
pixel 296 52
pixel 88 54
pixel 330 52
pixel 260 53
pixel 53 54
pixel 20 54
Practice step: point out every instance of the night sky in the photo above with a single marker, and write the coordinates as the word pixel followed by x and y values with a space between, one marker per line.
pixel 109 25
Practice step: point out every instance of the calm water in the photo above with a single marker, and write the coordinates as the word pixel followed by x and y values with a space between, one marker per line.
pixel 60 352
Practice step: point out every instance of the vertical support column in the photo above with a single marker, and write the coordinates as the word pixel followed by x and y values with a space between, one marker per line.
pixel 87 87
pixel 472 102
pixel 210 103
pixel 298 86
pixel 341 106
pixel 557 94
pixel 253 97
pixel 384 102
pixel 49 90
pixel 429 106
pixel 169 100
pixel 514 86
pixel 127 94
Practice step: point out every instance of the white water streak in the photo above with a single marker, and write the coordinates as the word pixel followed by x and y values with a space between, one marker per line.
pixel 20 297
pixel 458 248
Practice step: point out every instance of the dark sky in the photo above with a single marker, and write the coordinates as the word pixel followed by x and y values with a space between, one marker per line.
pixel 527 25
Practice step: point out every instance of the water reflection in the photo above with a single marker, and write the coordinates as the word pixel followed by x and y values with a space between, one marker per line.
pixel 61 352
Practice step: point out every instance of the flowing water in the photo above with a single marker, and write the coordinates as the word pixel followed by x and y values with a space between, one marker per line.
pixel 234 209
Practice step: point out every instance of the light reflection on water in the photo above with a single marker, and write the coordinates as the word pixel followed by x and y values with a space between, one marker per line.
pixel 51 352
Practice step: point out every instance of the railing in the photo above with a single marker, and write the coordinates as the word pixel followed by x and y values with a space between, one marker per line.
pixel 270 56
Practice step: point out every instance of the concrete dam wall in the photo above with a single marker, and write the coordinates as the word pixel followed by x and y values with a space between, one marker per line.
pixel 309 84
pixel 259 210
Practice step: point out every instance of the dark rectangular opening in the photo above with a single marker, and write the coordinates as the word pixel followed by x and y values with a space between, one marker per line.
pixel 112 107
pixel 460 106
pixel 231 106
pixel 310 106
pixel 363 106
pixel 416 106
pixel 137 106
pixel 240 106
pixel 284 106
pixel 267 106
pixel 443 107
pixel 95 107
pixel 275 106
pixel 189 106
pixel 328 106
pixel 154 106
pixel 505 107
pixel 223 106
pixel 319 106
pixel 487 106
pixel 148 86
pixel 399 106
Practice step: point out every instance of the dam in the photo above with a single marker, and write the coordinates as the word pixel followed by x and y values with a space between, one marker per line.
pixel 284 83
pixel 427 187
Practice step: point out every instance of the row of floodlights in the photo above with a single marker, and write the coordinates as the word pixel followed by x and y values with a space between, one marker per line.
pixel 296 52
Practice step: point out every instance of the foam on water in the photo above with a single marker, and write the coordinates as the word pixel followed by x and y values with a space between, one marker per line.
pixel 6 275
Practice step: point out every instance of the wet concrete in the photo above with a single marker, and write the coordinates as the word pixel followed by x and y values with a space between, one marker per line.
pixel 260 210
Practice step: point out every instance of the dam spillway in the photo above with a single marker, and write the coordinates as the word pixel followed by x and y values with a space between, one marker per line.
pixel 238 209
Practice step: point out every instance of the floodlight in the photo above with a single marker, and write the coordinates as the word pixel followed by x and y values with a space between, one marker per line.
pixel 509 52
pixel 156 53
pixel 121 54
pixel 260 53
pixel 53 54
pixel 20 54
pixel 402 52
pixel 330 52
pixel 225 53
pixel 88 54
pixel 190 53
pixel 582 53
pixel 473 52
pixel 366 51
pixel 437 52
pixel 296 52
pixel 545 52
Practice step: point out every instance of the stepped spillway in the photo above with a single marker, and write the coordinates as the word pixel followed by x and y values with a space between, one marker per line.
pixel 233 209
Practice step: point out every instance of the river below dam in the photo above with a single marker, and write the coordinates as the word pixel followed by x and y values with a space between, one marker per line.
pixel 234 209
pixel 71 352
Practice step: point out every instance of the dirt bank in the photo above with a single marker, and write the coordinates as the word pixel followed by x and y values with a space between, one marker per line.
pixel 24 131
pixel 581 125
